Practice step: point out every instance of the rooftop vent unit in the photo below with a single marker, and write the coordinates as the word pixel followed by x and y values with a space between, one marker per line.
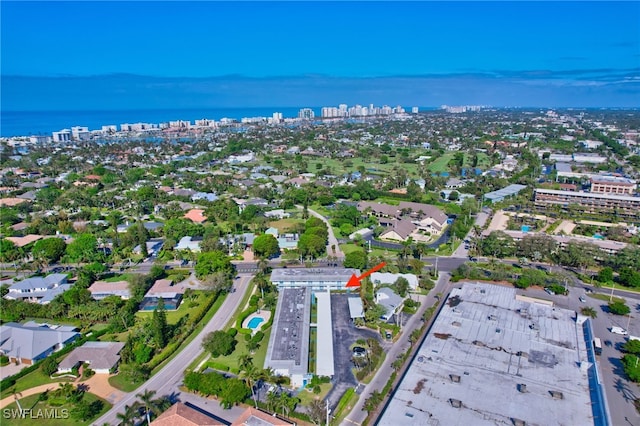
pixel 522 387
pixel 518 422
pixel 556 394
pixel 454 378
pixel 455 403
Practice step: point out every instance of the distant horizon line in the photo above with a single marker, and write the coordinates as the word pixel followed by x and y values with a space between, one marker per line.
pixel 439 107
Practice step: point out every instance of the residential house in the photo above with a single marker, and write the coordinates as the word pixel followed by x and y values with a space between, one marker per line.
pixel 407 219
pixel 30 342
pixel 381 278
pixel 101 289
pixel 277 214
pixel 153 247
pixel 23 241
pixel 196 216
pixel 38 289
pixel 180 414
pixel 390 301
pixel 164 289
pixel 102 357
pixel 254 417
pixel 189 243
pixel 285 241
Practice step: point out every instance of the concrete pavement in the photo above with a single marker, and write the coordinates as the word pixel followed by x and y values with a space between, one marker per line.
pixel 168 380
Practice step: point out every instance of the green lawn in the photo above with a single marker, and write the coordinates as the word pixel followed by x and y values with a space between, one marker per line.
pixel 285 225
pixel 124 384
pixel 233 360
pixel 60 415
pixel 307 395
pixel 35 378
pixel 440 164
pixel 123 277
pixel 605 297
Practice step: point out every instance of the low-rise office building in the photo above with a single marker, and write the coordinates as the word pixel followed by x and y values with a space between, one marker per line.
pixel 493 357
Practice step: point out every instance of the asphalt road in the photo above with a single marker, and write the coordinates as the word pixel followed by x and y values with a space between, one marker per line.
pixel 168 380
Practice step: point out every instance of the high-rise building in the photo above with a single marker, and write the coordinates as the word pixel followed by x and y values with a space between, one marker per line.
pixel 306 113
pixel 414 110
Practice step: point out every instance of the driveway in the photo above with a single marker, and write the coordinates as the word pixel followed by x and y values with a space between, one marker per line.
pixel 344 335
pixel 333 242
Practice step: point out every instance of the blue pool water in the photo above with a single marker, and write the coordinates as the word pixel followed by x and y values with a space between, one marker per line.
pixel 254 322
pixel 525 228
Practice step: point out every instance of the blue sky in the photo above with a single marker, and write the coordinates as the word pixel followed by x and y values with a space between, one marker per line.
pixel 449 52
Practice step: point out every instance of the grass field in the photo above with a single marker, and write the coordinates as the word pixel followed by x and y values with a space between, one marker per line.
pixel 233 360
pixel 35 378
pixel 124 384
pixel 185 307
pixel 440 164
pixel 62 412
pixel 307 395
pixel 285 225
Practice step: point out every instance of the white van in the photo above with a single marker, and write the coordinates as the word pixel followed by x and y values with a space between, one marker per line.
pixel 619 330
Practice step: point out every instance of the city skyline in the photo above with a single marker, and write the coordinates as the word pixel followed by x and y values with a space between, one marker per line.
pixel 242 54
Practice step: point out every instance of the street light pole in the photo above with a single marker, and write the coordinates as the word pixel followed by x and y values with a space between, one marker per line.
pixel 613 285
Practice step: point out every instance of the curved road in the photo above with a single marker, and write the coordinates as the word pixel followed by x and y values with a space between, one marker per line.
pixel 167 380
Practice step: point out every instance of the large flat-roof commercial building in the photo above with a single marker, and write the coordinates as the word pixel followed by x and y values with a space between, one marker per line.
pixel 493 357
pixel 501 194
pixel 624 205
pixel 288 351
pixel 315 278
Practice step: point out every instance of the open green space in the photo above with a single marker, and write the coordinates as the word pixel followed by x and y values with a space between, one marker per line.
pixel 188 305
pixel 62 412
pixel 307 395
pixel 232 361
pixel 123 383
pixel 440 164
pixel 115 278
pixel 33 379
pixel 285 225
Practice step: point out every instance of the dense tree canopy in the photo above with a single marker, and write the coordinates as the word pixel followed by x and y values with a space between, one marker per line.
pixel 219 343
pixel 265 246
pixel 214 261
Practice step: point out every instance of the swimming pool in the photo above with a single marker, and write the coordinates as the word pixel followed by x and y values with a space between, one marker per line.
pixel 255 322
pixel 525 228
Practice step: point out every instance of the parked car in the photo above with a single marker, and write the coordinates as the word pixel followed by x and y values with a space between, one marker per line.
pixel 582 299
pixel 619 330
pixel 549 291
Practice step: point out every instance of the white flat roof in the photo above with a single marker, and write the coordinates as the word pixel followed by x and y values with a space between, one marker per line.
pixel 484 345
pixel 324 352
pixel 356 309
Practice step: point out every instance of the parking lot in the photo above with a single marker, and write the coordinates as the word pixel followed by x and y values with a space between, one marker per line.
pixel 345 334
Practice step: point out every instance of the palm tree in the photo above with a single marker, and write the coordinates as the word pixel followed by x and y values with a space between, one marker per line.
pixel 128 417
pixel 252 374
pixel 15 397
pixel 147 401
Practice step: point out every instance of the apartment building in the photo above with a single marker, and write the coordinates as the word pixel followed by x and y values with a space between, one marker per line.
pixel 624 205
pixel 613 185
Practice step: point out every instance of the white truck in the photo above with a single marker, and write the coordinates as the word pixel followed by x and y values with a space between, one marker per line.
pixel 619 330
pixel 634 338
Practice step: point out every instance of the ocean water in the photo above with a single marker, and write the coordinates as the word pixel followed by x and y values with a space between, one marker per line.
pixel 27 123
